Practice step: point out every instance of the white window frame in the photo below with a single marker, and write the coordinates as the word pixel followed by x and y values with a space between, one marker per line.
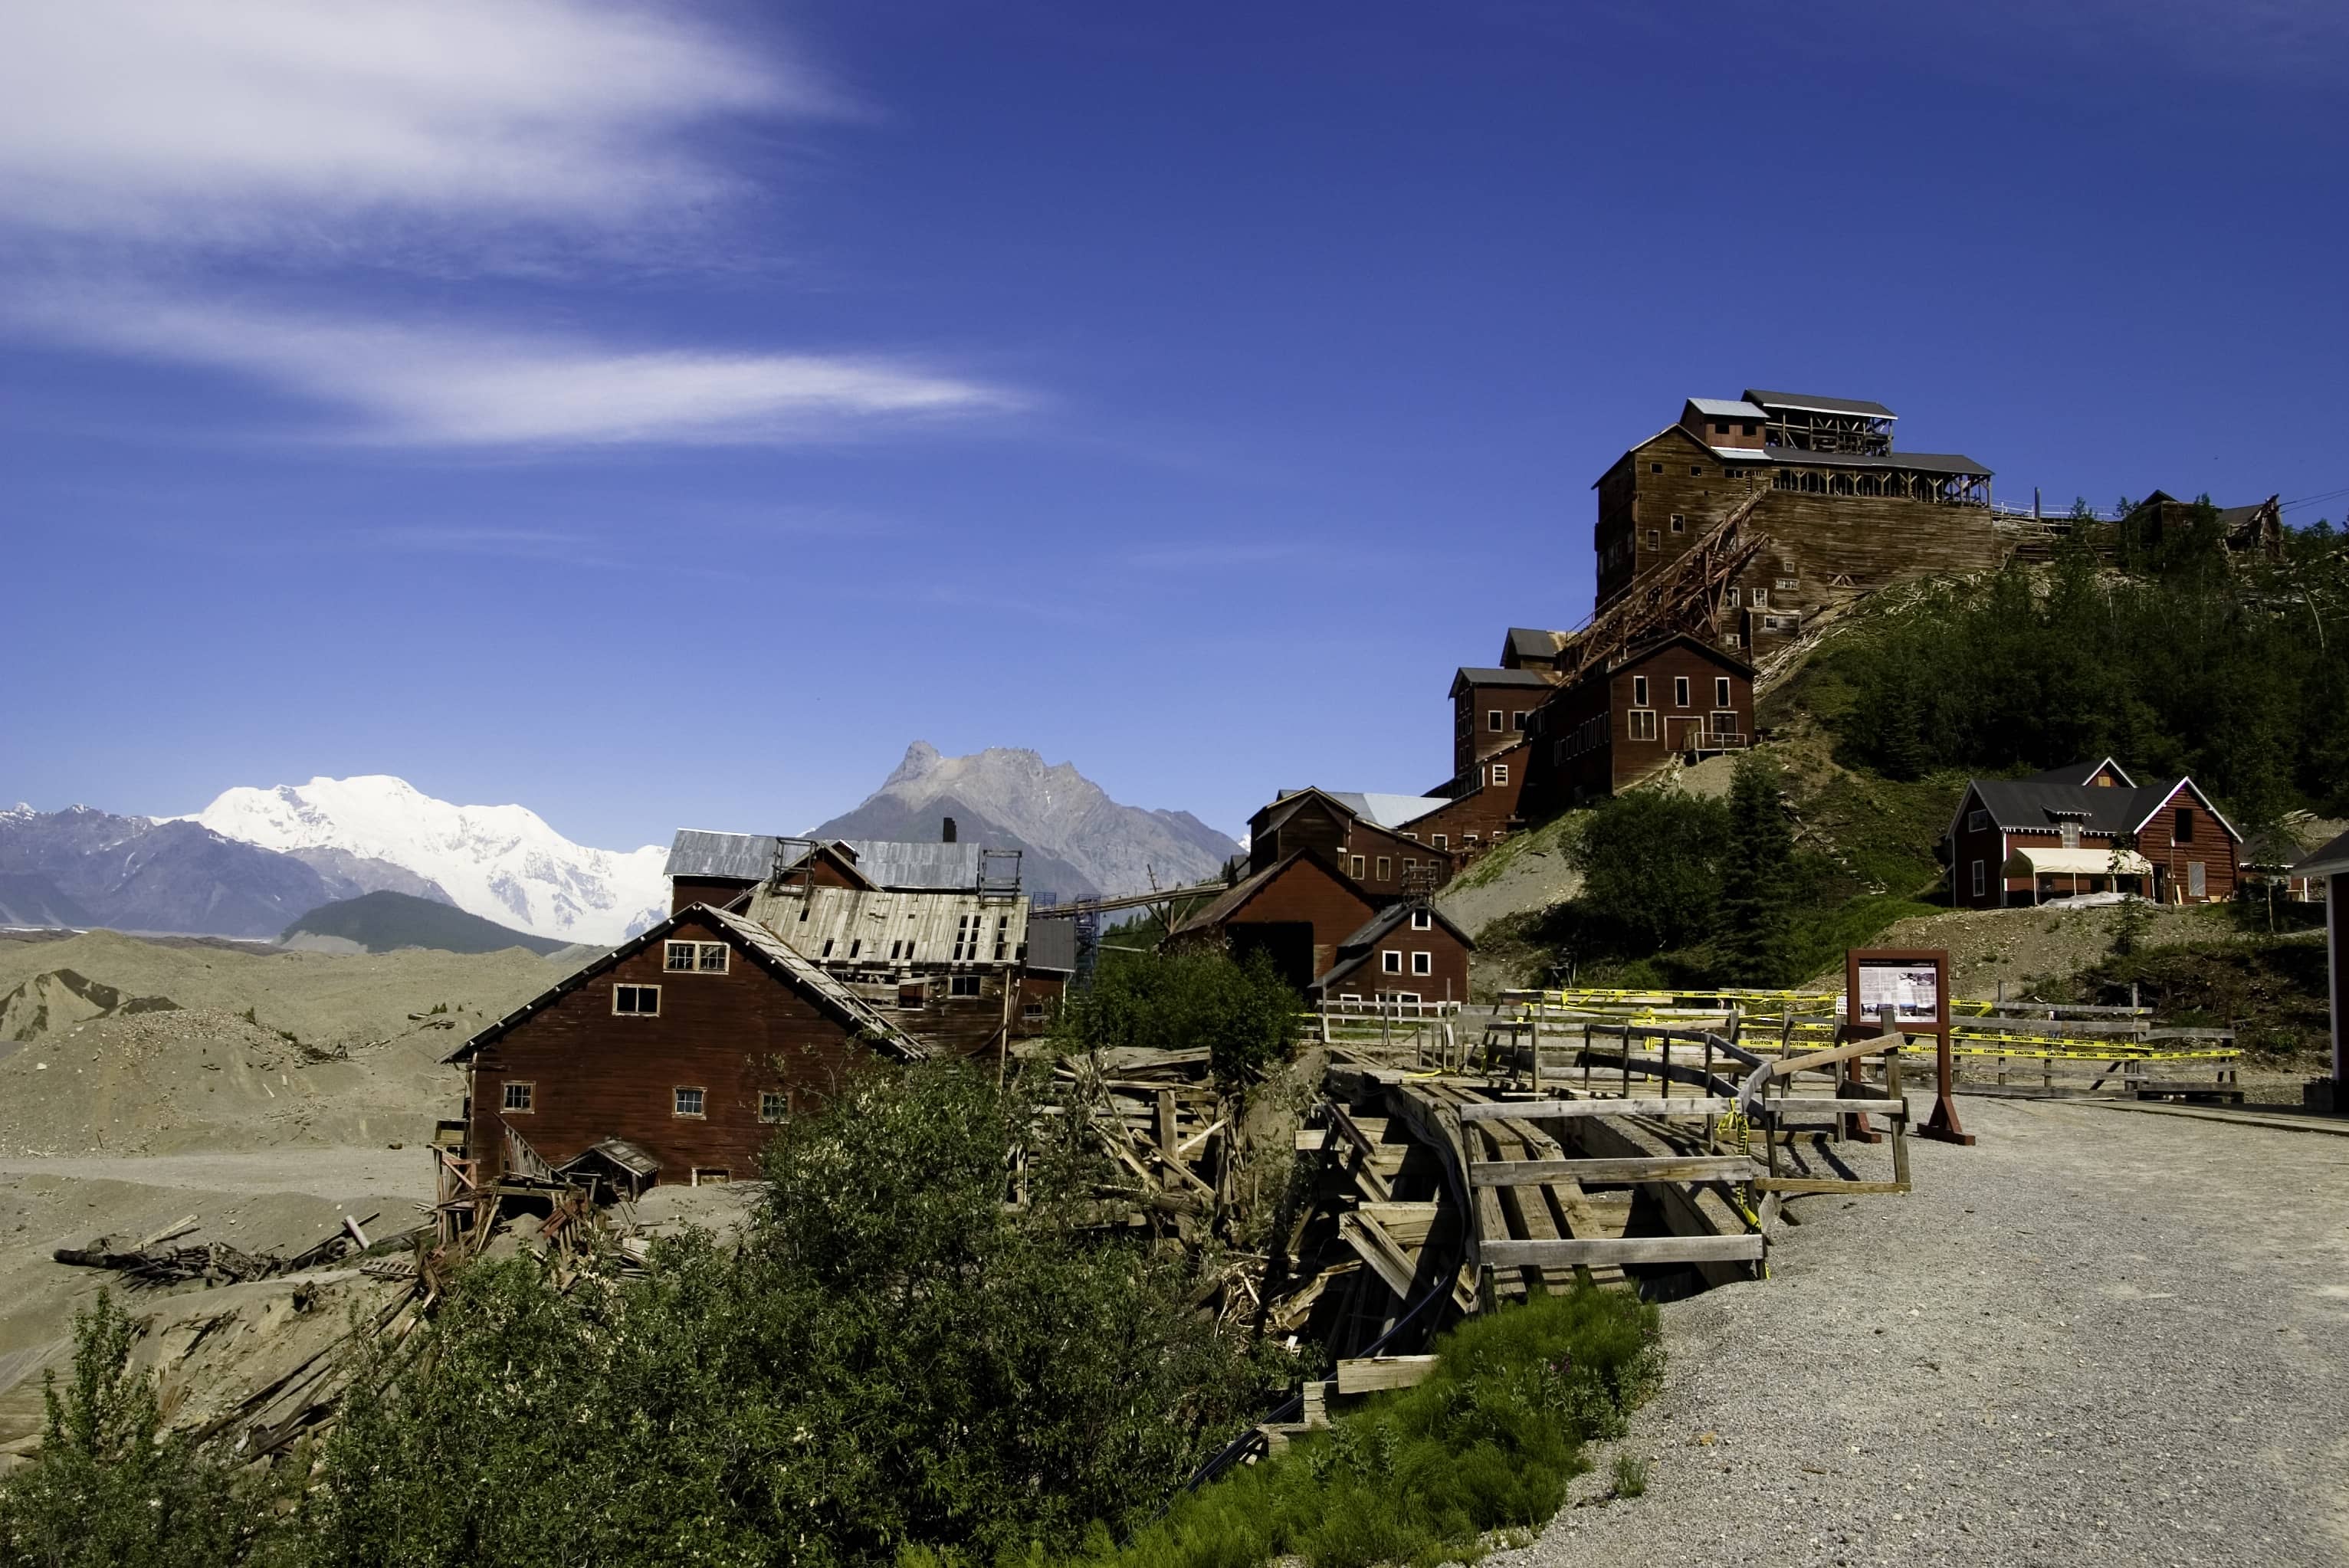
pixel 1386 868
pixel 1357 863
pixel 1423 920
pixel 1982 879
pixel 1639 691
pixel 774 1105
pixel 1422 962
pixel 711 957
pixel 1441 840
pixel 1722 695
pixel 677 957
pixel 1391 961
pixel 1682 689
pixel 1493 716
pixel 2197 880
pixel 1500 773
pixel 652 1012
pixel 701 1111
pixel 1643 724
pixel 529 1106
pixel 1787 583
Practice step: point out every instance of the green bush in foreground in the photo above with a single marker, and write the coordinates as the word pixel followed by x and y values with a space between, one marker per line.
pixel 1489 1442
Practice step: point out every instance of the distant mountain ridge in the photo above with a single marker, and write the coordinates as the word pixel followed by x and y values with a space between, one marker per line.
pixel 386 922
pixel 503 863
pixel 83 867
pixel 1075 840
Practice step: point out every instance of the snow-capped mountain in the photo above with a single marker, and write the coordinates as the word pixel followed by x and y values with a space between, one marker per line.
pixel 500 862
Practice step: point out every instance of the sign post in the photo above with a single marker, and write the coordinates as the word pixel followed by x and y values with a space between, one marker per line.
pixel 1909 985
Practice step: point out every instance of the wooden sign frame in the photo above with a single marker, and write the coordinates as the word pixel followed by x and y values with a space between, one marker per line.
pixel 1942 1126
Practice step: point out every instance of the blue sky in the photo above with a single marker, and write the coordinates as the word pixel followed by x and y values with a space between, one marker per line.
pixel 661 415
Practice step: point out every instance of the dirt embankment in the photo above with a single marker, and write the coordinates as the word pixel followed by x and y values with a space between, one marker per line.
pixel 2022 948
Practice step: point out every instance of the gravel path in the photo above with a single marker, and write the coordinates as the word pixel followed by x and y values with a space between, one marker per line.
pixel 2093 1338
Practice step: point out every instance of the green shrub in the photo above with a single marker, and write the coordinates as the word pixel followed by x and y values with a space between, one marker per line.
pixel 1631 1475
pixel 1651 865
pixel 105 1490
pixel 1240 1011
pixel 1489 1442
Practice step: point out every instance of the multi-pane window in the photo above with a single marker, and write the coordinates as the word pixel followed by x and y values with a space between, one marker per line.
pixel 690 957
pixel 636 1001
pixel 970 930
pixel 1977 821
pixel 520 1095
pixel 962 985
pixel 773 1105
pixel 690 1101
pixel 1643 723
pixel 1982 878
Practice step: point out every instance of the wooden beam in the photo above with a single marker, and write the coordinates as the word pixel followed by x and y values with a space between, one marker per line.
pixel 1561 1109
pixel 1667 1168
pixel 1370 1374
pixel 1619 1250
pixel 1384 1256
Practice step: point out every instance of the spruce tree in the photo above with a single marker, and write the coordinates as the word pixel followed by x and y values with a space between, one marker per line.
pixel 1758 876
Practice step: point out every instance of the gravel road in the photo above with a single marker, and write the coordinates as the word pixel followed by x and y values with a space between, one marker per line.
pixel 2095 1337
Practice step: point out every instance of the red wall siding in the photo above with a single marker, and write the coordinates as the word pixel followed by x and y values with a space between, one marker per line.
pixel 1448 958
pixel 596 1075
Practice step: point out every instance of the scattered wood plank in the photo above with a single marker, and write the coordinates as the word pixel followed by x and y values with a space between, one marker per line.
pixel 1662 1168
pixel 1370 1374
pixel 1621 1250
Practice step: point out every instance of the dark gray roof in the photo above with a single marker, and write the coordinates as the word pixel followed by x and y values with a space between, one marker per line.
pixel 1356 949
pixel 2333 860
pixel 888 863
pixel 1806 401
pixel 744 857
pixel 1533 643
pixel 1906 462
pixel 2039 804
pixel 1476 675
pixel 1051 945
pixel 2080 772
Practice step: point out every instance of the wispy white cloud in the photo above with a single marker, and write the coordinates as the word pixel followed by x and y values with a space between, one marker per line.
pixel 289 122
pixel 450 386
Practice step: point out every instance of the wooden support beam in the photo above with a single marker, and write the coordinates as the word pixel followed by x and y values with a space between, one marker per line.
pixel 1668 1168
pixel 1385 1256
pixel 1619 1250
pixel 1370 1374
pixel 1795 1185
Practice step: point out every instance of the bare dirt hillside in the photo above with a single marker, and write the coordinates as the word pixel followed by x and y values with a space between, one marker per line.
pixel 2019 947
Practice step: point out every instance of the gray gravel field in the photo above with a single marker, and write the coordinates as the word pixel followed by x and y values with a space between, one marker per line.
pixel 2094 1338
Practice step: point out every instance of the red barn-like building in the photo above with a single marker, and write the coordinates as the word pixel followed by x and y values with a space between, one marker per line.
pixel 2088 828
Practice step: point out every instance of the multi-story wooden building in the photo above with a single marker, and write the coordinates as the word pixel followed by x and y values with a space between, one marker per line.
pixel 717 869
pixel 1490 709
pixel 1297 912
pixel 1384 844
pixel 671 1058
pixel 2086 829
pixel 1843 509
pixel 1408 952
pixel 1678 696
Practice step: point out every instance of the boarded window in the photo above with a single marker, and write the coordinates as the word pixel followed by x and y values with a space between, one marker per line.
pixel 2195 883
pixel 1386 868
pixel 519 1096
pixel 690 1102
pixel 636 1001
pixel 1442 841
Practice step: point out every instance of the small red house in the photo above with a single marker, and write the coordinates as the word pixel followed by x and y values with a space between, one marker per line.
pixel 680 1050
pixel 1296 912
pixel 2088 828
pixel 1406 953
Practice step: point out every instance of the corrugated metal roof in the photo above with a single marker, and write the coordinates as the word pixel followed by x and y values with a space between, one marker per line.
pixel 746 857
pixel 1389 811
pixel 1534 642
pixel 1478 675
pixel 1051 945
pixel 1809 404
pixel 750 857
pixel 1724 408
pixel 849 927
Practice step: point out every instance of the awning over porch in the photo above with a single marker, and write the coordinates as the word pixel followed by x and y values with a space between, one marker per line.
pixel 2082 862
